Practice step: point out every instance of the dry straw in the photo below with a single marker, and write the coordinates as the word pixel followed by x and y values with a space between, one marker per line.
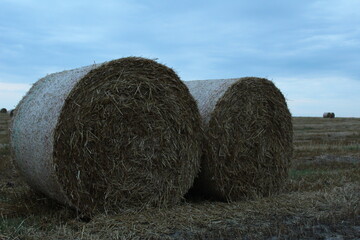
pixel 248 144
pixel 125 133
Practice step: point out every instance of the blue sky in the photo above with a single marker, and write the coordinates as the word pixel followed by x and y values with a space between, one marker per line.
pixel 309 48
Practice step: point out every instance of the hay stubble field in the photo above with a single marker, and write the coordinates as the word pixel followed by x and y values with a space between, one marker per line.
pixel 321 200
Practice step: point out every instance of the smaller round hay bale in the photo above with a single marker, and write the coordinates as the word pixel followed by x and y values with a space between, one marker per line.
pixel 332 115
pixel 3 110
pixel 12 112
pixel 327 115
pixel 103 138
pixel 248 145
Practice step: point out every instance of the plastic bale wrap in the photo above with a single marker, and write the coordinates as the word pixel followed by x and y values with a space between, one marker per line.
pixel 248 137
pixel 117 135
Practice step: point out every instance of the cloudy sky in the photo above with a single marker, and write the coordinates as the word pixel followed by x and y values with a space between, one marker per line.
pixel 309 48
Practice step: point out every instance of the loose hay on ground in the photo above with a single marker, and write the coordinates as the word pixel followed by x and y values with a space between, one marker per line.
pixel 125 133
pixel 248 145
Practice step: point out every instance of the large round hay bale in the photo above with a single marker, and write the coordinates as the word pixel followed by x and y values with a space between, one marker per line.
pixel 124 133
pixel 248 146
pixel 3 110
pixel 332 115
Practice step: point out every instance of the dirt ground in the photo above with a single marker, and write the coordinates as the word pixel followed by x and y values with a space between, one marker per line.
pixel 321 199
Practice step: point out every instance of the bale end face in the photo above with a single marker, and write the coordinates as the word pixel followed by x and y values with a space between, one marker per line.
pixel 249 142
pixel 129 135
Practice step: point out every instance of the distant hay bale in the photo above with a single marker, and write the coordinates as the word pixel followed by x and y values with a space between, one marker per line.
pixel 329 115
pixel 3 110
pixel 124 133
pixel 326 115
pixel 12 112
pixel 249 138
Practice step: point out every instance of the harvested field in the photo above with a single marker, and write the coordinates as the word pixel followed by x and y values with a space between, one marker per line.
pixel 321 200
pixel 338 136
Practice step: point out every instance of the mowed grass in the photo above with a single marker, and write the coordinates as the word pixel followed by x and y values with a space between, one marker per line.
pixel 321 200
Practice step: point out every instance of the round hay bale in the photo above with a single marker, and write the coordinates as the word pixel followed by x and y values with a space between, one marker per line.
pixel 248 146
pixel 125 133
pixel 3 110
pixel 327 115
pixel 12 112
pixel 332 115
